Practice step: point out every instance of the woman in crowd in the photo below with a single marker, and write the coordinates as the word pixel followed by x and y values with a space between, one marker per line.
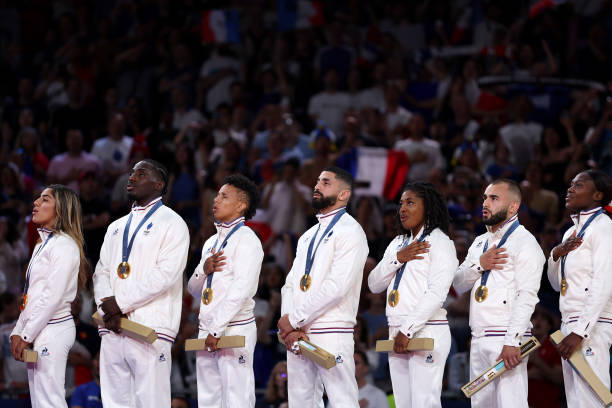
pixel 52 278
pixel 416 271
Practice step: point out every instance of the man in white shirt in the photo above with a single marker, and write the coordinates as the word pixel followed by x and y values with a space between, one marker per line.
pixel 503 270
pixel 424 153
pixel 225 376
pixel 140 276
pixel 321 296
pixel 113 151
pixel 370 395
pixel 329 105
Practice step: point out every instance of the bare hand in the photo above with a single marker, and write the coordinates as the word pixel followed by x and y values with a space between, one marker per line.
pixel 413 251
pixel 494 258
pixel 284 327
pixel 569 344
pixel 566 246
pixel 214 263
pixel 17 346
pixel 211 343
pixel 511 356
pixel 112 314
pixel 292 338
pixel 401 343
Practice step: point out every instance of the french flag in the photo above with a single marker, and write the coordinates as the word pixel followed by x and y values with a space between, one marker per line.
pixel 220 26
pixel 296 14
pixel 377 171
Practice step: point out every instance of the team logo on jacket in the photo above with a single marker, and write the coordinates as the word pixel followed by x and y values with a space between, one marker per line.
pixel 327 237
pixel 116 231
pixel 44 352
pixel 339 359
pixel 146 231
pixel 162 357
pixel 589 352
pixel 241 360
pixel 479 244
pixel 429 359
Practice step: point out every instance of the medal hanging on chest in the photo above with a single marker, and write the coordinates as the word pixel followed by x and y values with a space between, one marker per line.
pixel 394 296
pixel 124 269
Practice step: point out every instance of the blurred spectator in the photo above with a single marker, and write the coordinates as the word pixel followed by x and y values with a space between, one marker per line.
pixel 113 150
pixel 424 153
pixel 369 395
pixel 65 168
pixel 218 73
pixel 538 198
pixel 88 395
pixel 501 167
pixel 599 138
pixel 323 141
pixel 95 213
pixel 276 391
pixel 182 114
pixel 29 154
pixel 14 373
pixel 183 190
pixel 13 253
pixel 329 105
pixel 459 371
pixel 12 193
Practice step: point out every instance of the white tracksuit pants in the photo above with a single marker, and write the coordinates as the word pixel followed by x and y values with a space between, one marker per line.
pixel 47 376
pixel 417 376
pixel 134 373
pixel 596 352
pixel 225 377
pixel 304 385
pixel 509 390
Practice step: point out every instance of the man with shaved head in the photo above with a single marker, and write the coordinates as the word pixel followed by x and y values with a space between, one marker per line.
pixel 502 270
pixel 140 276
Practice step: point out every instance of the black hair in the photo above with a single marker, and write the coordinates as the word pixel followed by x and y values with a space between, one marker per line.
pixel 249 188
pixel 513 186
pixel 436 211
pixel 161 171
pixel 603 184
pixel 364 357
pixel 293 162
pixel 342 175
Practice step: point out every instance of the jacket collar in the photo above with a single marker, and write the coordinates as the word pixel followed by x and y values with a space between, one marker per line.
pixel 502 230
pixel 580 218
pixel 139 209
pixel 325 219
pixel 225 227
pixel 44 233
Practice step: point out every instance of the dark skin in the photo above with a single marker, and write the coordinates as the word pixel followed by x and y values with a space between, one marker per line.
pixel 582 195
pixel 144 185
pixel 412 216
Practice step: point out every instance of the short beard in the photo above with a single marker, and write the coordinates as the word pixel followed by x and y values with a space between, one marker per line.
pixel 323 202
pixel 497 217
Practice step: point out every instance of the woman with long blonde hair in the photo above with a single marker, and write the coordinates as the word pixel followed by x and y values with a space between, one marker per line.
pixel 51 283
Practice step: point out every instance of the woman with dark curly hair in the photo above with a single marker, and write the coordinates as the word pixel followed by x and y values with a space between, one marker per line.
pixel 225 376
pixel 417 271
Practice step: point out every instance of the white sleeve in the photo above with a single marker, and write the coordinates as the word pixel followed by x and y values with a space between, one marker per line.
pixel 443 265
pixel 287 289
pixel 169 266
pixel 381 276
pixel 350 254
pixel 198 278
pixel 528 264
pixel 65 260
pixel 470 270
pixel 101 277
pixel 248 263
pixel 600 286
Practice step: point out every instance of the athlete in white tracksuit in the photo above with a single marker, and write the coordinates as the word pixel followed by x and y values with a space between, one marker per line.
pixel 134 373
pixel 501 322
pixel 45 320
pixel 422 287
pixel 326 311
pixel 586 305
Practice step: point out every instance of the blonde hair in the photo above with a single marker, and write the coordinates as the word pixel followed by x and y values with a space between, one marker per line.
pixel 68 219
pixel 271 390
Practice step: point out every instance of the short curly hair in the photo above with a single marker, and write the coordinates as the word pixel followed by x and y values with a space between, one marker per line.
pixel 249 189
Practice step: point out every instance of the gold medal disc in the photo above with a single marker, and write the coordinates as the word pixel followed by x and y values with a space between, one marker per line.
pixel 207 296
pixel 24 302
pixel 393 298
pixel 123 270
pixel 563 287
pixel 305 282
pixel 481 293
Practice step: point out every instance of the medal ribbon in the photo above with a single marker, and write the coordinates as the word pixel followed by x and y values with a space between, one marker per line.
pixel 485 274
pixel 310 255
pixel 127 248
pixel 27 280
pixel 400 273
pixel 223 244
pixel 580 235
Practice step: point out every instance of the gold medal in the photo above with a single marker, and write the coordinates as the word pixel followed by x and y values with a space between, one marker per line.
pixel 123 270
pixel 563 287
pixel 305 282
pixel 24 302
pixel 481 293
pixel 393 298
pixel 207 296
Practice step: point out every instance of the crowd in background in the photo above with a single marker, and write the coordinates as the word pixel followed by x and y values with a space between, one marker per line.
pixel 468 90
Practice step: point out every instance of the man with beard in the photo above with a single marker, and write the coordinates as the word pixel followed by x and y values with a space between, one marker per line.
pixel 140 276
pixel 503 270
pixel 321 296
